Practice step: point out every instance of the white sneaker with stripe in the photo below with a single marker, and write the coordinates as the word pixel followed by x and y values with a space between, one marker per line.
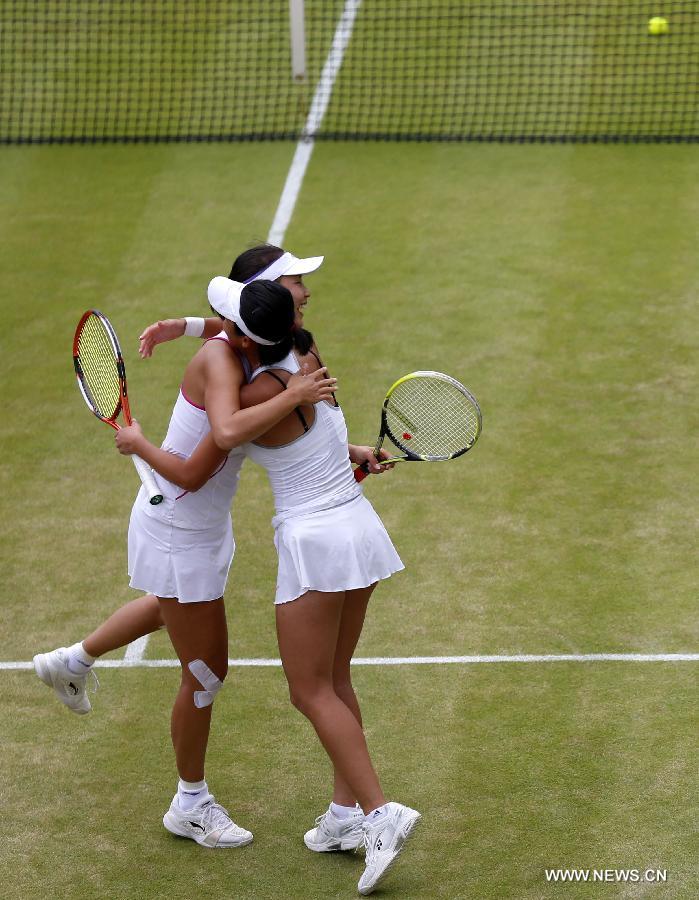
pixel 71 689
pixel 208 824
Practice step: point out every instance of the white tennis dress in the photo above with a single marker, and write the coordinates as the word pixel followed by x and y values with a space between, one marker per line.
pixel 184 546
pixel 327 535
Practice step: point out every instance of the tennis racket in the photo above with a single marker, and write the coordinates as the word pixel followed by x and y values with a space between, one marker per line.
pixel 99 366
pixel 429 417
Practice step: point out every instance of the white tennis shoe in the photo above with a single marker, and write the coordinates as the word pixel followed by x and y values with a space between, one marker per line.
pixel 384 841
pixel 333 833
pixel 71 689
pixel 208 824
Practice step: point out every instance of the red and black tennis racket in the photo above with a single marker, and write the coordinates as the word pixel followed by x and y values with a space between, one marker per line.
pixel 429 417
pixel 99 366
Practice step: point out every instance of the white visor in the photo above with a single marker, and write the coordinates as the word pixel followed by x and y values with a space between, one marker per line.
pixel 288 264
pixel 224 297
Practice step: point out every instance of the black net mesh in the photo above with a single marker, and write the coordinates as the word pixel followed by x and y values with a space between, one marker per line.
pixel 456 70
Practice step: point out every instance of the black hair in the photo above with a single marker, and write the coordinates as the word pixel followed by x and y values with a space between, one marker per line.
pixel 302 340
pixel 254 260
pixel 246 266
pixel 267 309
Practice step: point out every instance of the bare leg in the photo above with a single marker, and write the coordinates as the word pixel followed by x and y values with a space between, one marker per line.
pixel 197 631
pixel 131 621
pixel 308 630
pixel 351 624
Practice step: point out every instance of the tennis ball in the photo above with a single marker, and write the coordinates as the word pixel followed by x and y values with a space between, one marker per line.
pixel 657 25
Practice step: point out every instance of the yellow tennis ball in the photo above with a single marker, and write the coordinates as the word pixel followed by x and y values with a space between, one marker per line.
pixel 657 25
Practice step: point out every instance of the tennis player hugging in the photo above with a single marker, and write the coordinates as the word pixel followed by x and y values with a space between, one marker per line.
pixel 332 547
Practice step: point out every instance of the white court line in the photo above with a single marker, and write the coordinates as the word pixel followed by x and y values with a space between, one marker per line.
pixel 319 105
pixel 136 650
pixel 406 660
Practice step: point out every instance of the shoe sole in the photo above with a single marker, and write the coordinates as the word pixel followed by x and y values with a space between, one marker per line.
pixel 407 834
pixel 173 828
pixel 44 673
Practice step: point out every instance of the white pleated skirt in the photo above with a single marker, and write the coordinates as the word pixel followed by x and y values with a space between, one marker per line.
pixel 338 549
pixel 168 560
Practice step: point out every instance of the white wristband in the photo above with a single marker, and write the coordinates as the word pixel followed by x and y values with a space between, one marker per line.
pixel 193 327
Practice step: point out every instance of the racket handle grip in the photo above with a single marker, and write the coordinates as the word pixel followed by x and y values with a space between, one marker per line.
pixel 361 472
pixel 145 473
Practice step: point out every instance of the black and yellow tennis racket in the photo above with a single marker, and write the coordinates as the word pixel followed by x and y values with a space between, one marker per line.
pixel 429 417
pixel 99 366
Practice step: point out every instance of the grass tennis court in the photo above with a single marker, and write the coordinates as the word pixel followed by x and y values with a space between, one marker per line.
pixel 559 284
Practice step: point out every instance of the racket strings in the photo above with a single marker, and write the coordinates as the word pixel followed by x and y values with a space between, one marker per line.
pixel 432 417
pixel 98 364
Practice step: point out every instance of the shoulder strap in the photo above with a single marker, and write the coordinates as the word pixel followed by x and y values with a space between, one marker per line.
pixel 315 355
pixel 283 384
pixel 320 363
pixel 277 377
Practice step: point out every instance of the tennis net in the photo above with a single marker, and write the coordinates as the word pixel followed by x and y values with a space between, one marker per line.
pixel 84 71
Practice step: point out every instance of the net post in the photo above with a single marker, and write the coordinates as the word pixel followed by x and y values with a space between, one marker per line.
pixel 298 39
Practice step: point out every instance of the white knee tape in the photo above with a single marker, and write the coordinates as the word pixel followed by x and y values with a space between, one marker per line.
pixel 206 678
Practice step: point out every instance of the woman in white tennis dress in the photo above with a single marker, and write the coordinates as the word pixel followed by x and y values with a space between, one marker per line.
pixel 327 535
pixel 180 551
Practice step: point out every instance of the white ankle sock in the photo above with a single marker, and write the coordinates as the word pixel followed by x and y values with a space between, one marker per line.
pixel 342 812
pixel 79 661
pixel 191 793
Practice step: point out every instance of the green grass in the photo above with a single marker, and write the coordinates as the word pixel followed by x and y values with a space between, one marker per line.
pixel 559 284
pixel 515 769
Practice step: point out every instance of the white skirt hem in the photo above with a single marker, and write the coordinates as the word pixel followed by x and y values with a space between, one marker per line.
pixel 351 587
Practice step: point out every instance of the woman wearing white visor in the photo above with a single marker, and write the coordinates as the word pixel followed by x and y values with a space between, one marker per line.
pixel 332 549
pixel 180 551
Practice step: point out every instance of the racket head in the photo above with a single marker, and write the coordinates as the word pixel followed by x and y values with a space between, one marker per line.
pixel 431 416
pixel 99 367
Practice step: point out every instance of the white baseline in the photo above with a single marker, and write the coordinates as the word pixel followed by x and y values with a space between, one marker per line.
pixel 134 662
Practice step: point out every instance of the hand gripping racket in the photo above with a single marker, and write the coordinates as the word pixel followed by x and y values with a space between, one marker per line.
pixel 429 417
pixel 99 366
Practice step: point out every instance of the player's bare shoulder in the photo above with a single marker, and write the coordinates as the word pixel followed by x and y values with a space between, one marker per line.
pixel 309 361
pixel 215 364
pixel 217 352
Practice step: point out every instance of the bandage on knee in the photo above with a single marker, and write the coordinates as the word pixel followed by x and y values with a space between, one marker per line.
pixel 208 680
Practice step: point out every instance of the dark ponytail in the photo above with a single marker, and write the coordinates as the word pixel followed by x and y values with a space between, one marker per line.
pixel 302 340
pixel 274 354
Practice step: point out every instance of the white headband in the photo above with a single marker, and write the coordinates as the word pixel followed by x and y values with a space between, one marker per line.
pixel 288 264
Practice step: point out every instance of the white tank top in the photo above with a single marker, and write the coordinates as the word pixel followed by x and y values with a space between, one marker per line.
pixel 211 504
pixel 312 472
